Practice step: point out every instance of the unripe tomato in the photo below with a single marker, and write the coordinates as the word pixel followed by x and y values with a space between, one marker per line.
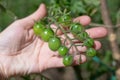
pixel 76 28
pixel 89 42
pixel 68 60
pixel 65 20
pixel 54 43
pixel 38 28
pixel 91 52
pixel 63 50
pixel 47 34
pixel 82 36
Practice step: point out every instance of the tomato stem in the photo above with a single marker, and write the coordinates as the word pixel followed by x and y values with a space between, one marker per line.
pixel 67 37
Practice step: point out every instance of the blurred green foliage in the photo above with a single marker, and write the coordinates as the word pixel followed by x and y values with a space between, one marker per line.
pixel 10 10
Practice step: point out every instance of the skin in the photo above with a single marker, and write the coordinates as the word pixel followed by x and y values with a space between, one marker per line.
pixel 23 53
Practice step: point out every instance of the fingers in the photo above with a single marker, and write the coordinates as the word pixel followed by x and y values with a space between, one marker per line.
pixel 94 33
pixel 38 14
pixel 97 45
pixel 58 61
pixel 84 20
pixel 72 51
pixel 79 59
pixel 29 21
pixel 54 27
pixel 97 32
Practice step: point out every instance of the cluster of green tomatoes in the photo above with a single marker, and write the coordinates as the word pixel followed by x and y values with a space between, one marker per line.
pixel 47 34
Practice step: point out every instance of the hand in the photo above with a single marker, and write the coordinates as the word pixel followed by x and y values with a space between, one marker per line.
pixel 24 53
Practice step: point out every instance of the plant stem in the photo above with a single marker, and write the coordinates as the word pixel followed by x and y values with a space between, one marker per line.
pixel 67 37
pixel 61 28
pixel 111 34
pixel 72 43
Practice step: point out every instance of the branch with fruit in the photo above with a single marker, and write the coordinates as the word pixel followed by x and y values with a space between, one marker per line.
pixel 63 20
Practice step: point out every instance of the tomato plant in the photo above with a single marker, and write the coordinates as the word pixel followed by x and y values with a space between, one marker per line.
pixel 63 20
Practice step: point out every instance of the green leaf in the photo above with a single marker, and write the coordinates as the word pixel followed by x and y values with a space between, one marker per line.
pixel 2 8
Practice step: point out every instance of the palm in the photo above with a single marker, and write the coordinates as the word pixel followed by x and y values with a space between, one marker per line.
pixel 21 45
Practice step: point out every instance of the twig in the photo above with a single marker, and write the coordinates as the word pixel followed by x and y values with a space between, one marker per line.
pixel 118 25
pixel 103 25
pixel 118 74
pixel 96 24
pixel 111 34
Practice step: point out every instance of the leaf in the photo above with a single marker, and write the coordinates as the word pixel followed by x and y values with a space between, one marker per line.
pixel 78 7
pixel 92 2
pixel 118 17
pixel 2 8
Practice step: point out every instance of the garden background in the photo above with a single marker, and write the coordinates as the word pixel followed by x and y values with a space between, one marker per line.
pixel 105 13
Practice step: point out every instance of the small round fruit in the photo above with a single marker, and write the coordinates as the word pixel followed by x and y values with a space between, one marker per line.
pixel 89 42
pixel 63 50
pixel 38 28
pixel 47 34
pixel 82 36
pixel 91 52
pixel 76 28
pixel 65 20
pixel 54 43
pixel 68 60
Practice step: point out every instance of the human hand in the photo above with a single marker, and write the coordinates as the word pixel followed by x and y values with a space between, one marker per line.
pixel 23 53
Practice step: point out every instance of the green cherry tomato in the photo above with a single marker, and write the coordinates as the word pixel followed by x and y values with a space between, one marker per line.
pixel 63 50
pixel 91 52
pixel 76 28
pixel 54 43
pixel 65 20
pixel 89 42
pixel 47 34
pixel 82 36
pixel 68 60
pixel 38 28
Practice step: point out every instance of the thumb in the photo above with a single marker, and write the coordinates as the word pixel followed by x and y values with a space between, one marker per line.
pixel 38 14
